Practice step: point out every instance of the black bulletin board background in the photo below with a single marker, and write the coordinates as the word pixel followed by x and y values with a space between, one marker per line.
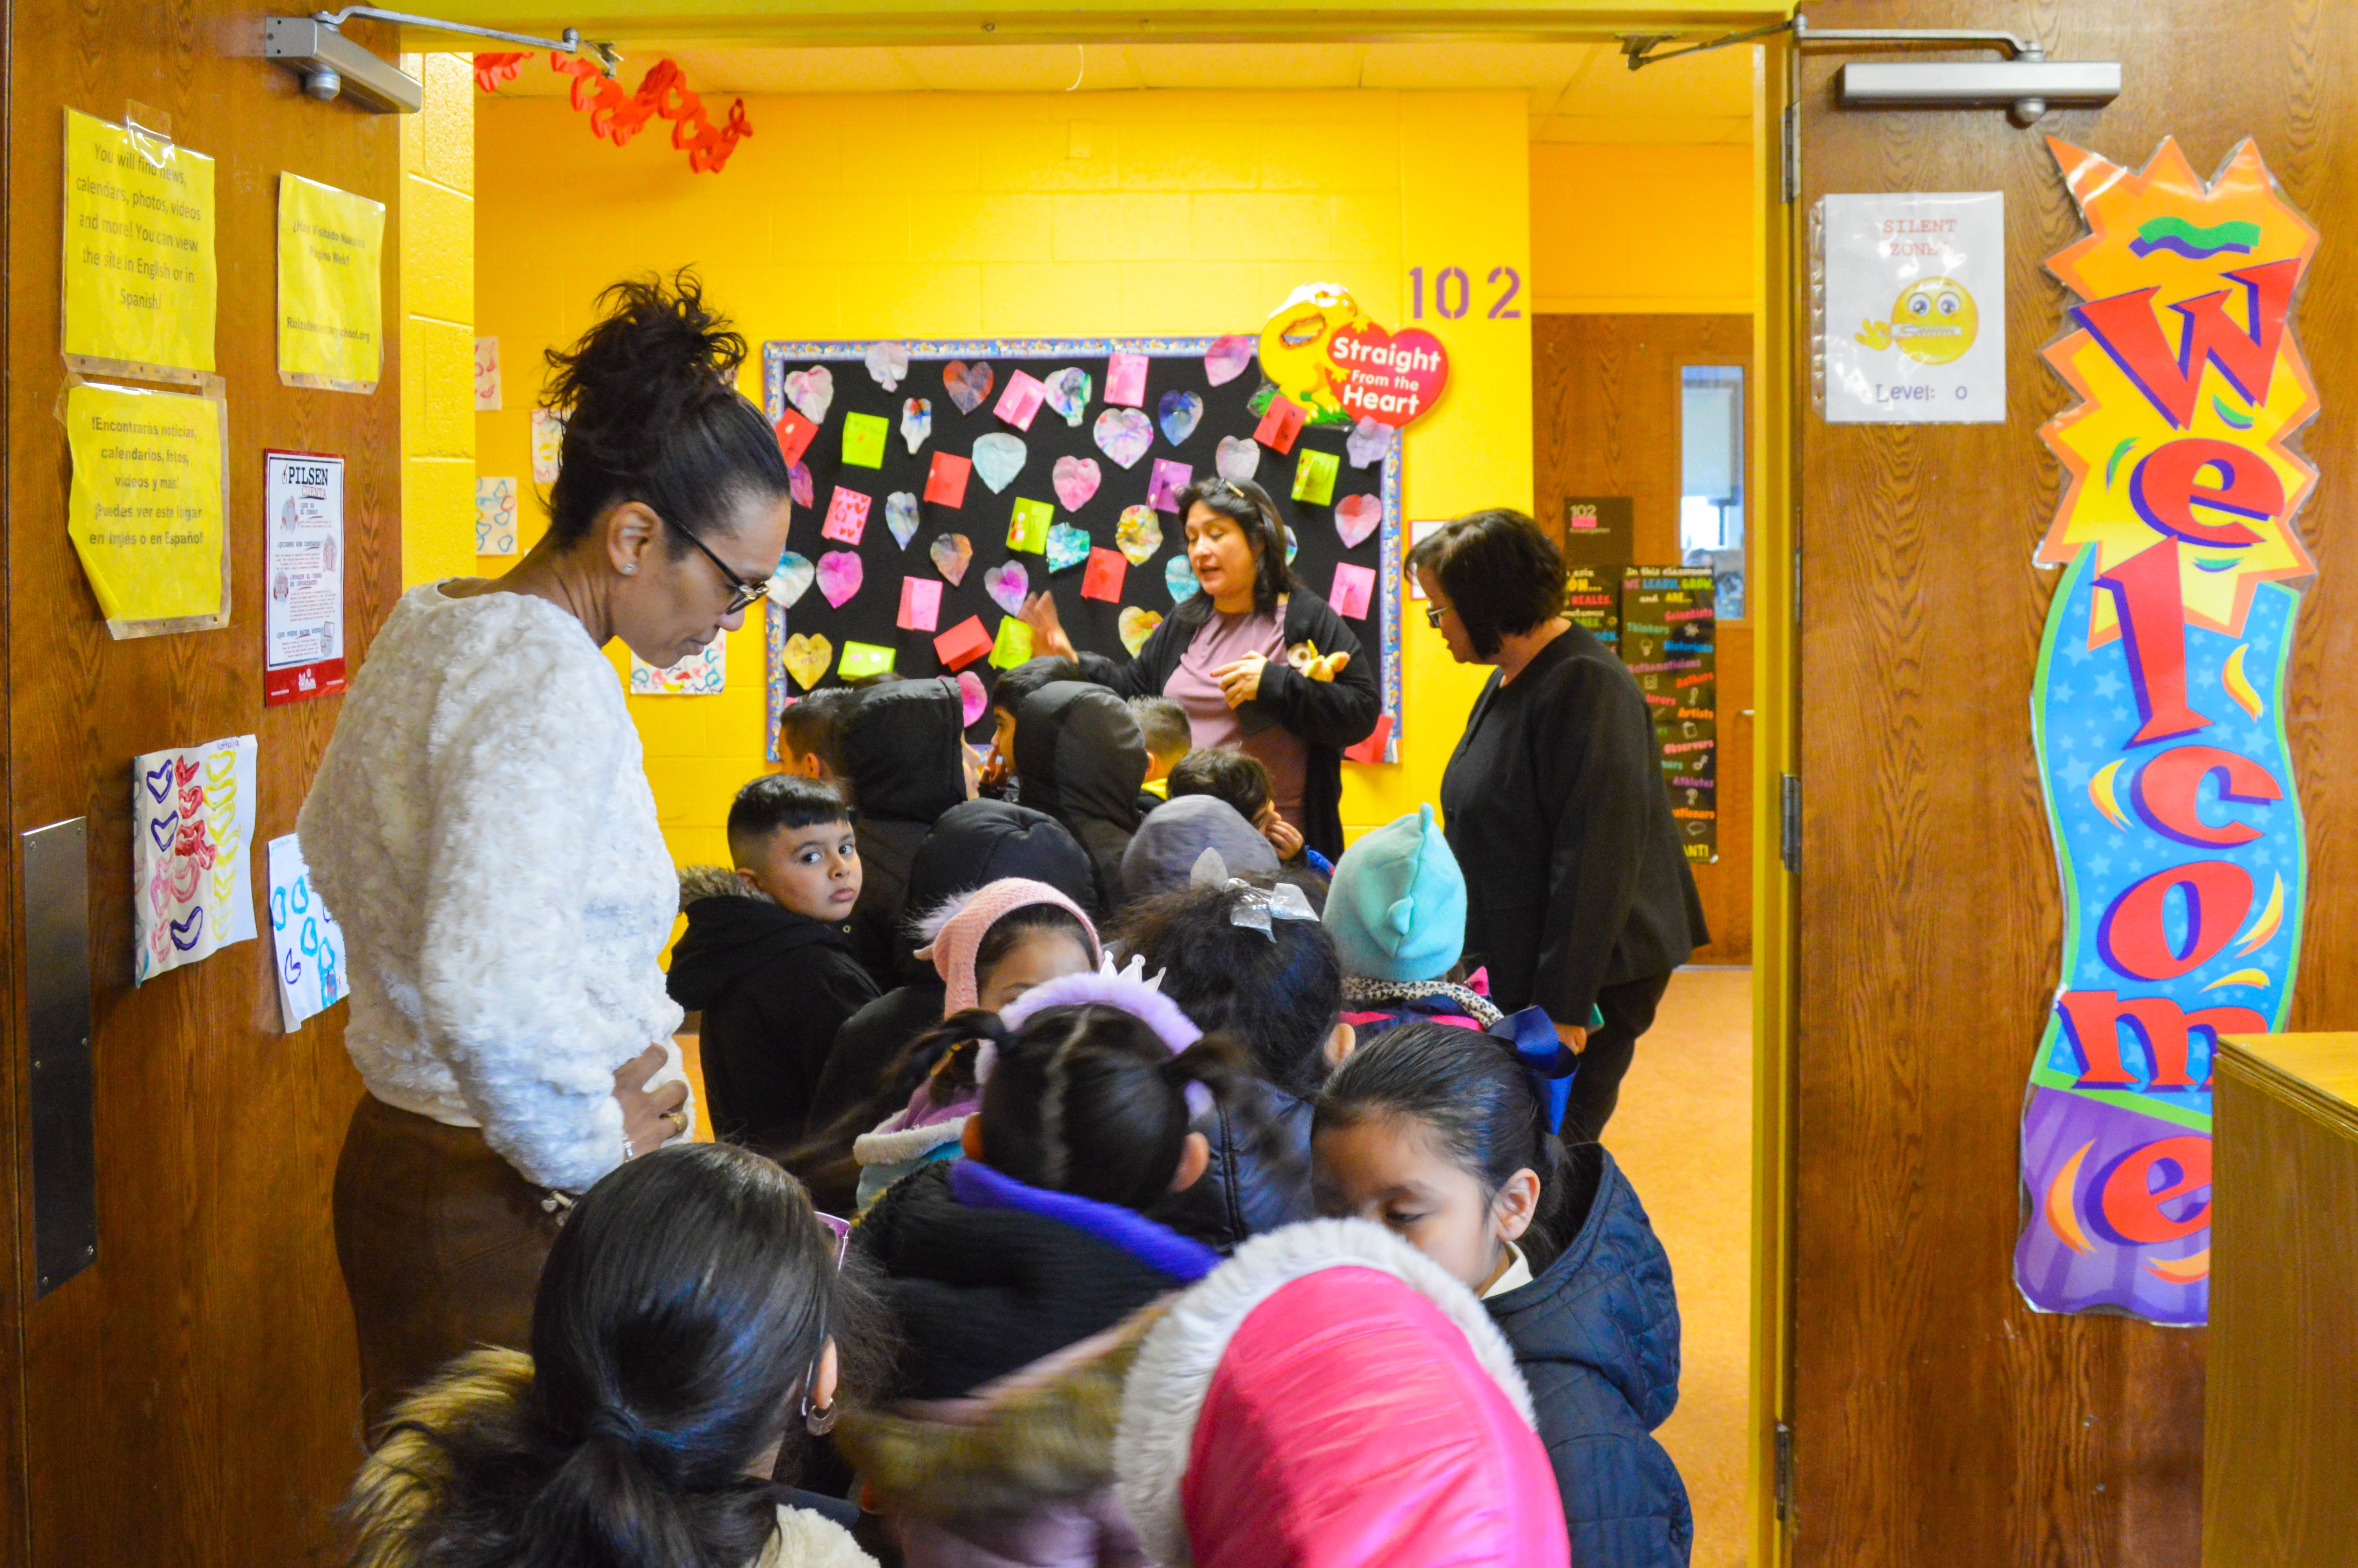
pixel 871 614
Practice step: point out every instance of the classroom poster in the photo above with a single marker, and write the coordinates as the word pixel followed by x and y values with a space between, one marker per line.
pixel 1912 324
pixel 139 274
pixel 303 619
pixel 2158 713
pixel 1600 530
pixel 704 673
pixel 191 841
pixel 1592 598
pixel 1669 642
pixel 146 507
pixel 305 938
pixel 330 265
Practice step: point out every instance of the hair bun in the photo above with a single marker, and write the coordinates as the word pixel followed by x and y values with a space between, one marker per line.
pixel 656 349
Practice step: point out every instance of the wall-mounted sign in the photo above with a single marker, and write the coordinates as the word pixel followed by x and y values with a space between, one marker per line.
pixel 138 262
pixel 1599 530
pixel 1327 358
pixel 147 503
pixel 1669 642
pixel 1911 329
pixel 330 306
pixel 2158 713
pixel 303 619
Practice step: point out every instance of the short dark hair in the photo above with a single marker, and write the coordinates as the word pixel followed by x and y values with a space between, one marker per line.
pixel 812 725
pixel 1015 688
pixel 1501 570
pixel 1232 776
pixel 775 802
pixel 1280 991
pixel 1251 508
pixel 1163 723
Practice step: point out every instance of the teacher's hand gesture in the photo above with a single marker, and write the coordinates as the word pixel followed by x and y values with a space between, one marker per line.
pixel 1240 681
pixel 1047 627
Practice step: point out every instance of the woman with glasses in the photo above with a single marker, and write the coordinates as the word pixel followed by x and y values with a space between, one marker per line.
pixel 1577 893
pixel 482 827
pixel 1225 654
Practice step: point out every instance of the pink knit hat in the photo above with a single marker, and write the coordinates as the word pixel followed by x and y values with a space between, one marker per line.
pixel 961 933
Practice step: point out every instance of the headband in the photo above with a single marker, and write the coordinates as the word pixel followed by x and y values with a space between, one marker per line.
pixel 953 945
pixel 1547 1060
pixel 1107 988
pixel 1256 907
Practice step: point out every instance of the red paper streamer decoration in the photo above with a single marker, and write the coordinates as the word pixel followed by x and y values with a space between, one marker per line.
pixel 491 70
pixel 618 116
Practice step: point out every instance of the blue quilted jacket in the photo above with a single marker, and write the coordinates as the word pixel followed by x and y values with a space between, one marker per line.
pixel 1596 1335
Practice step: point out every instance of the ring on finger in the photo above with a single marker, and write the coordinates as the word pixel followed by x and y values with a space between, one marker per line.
pixel 678 1119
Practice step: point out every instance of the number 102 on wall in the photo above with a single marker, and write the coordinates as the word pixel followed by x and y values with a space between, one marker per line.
pixel 1453 292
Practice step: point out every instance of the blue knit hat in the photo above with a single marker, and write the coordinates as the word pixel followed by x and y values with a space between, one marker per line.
pixel 1396 908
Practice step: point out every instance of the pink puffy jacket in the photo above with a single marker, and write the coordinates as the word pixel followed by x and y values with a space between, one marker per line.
pixel 1329 1398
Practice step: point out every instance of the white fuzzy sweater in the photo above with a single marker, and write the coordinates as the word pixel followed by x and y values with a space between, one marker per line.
pixel 482 827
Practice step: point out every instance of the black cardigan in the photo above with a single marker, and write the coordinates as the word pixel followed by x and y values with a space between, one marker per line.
pixel 1326 715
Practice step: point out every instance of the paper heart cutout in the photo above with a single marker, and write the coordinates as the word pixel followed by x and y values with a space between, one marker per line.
pixel 1067 547
pixel 1293 547
pixel 1068 394
pixel 1371 439
pixel 1076 479
pixel 812 392
pixel 1135 626
pixel 1123 435
pixel 839 575
pixel 1356 517
pixel 1238 459
pixel 916 423
pixel 973 701
pixel 887 362
pixel 791 579
pixel 799 487
pixel 1008 584
pixel 998 458
pixel 159 782
pixel 807 658
pixel 900 516
pixel 162 829
pixel 1179 577
pixel 1139 533
pixel 1226 360
pixel 967 384
pixel 952 553
pixel 187 934
pixel 1179 412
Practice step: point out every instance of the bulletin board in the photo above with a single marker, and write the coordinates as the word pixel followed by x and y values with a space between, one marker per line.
pixel 1357 525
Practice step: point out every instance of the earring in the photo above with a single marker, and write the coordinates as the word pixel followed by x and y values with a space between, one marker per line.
pixel 629 571
pixel 820 1422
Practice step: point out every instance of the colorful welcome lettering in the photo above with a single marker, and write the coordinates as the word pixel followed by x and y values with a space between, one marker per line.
pixel 2158 713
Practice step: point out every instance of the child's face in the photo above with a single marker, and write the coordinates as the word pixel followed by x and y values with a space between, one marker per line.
pixel 1039 958
pixel 812 871
pixel 1394 1171
pixel 1159 766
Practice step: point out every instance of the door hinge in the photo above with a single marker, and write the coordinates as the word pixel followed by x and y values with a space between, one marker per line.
pixel 1784 1470
pixel 1789 153
pixel 1792 804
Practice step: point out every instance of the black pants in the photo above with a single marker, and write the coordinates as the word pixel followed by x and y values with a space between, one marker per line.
pixel 1628 1010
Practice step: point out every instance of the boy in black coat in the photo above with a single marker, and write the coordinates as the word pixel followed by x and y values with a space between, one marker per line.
pixel 766 957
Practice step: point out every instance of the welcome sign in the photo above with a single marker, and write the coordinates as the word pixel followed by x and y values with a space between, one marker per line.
pixel 2158 713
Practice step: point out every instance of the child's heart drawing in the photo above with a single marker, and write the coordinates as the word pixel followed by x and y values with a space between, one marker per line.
pixel 791 579
pixel 1067 547
pixel 1238 459
pixel 1068 394
pixel 799 486
pixel 967 384
pixel 916 422
pixel 887 362
pixel 807 658
pixel 839 575
pixel 1076 479
pixel 952 553
pixel 1179 411
pixel 1371 439
pixel 162 829
pixel 812 392
pixel 973 701
pixel 998 458
pixel 1179 577
pixel 186 771
pixel 1007 584
pixel 1123 435
pixel 1356 517
pixel 1139 533
pixel 900 516
pixel 1136 626
pixel 187 934
pixel 1226 360
pixel 159 782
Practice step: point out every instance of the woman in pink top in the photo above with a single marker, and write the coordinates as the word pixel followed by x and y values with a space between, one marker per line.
pixel 1222 655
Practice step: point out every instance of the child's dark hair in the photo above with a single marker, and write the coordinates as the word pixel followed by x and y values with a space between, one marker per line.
pixel 775 802
pixel 1278 989
pixel 1476 1096
pixel 813 726
pixel 1163 723
pixel 1015 688
pixel 1022 920
pixel 653 414
pixel 1232 776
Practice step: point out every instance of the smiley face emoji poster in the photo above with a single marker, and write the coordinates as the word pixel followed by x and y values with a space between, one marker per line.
pixel 1912 327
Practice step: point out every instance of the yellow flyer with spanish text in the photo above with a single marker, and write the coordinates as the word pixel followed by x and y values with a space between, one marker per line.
pixel 147 508
pixel 330 270
pixel 139 267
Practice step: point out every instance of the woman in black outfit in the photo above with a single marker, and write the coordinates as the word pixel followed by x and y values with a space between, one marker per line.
pixel 1577 891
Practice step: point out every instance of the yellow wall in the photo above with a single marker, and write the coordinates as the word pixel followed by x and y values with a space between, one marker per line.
pixel 1625 229
pixel 974 215
pixel 437 225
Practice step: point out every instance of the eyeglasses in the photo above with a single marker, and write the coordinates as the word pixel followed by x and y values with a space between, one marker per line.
pixel 1432 614
pixel 741 593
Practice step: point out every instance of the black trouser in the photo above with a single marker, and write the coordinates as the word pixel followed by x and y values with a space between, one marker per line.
pixel 1628 1010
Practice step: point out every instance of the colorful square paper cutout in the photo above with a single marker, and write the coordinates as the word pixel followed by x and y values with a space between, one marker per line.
pixel 794 436
pixel 1125 380
pixel 1314 476
pixel 1022 400
pixel 1353 587
pixel 1103 579
pixel 847 516
pixel 1279 426
pixel 921 603
pixel 1169 482
pixel 946 481
pixel 860 659
pixel 1014 645
pixel 962 643
pixel 863 439
pixel 1027 526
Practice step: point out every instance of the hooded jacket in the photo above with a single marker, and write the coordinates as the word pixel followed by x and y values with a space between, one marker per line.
pixel 1082 760
pixel 1252 1185
pixel 1596 1336
pixel 773 987
pixel 903 757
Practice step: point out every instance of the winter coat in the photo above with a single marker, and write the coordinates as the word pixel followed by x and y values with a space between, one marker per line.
pixel 1372 1007
pixel 402 1481
pixel 1330 1398
pixel 1597 1335
pixel 1079 753
pixel 1249 1188
pixel 1326 715
pixel 904 758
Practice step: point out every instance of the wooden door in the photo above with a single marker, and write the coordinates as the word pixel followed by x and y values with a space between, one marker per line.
pixel 191 1396
pixel 1937 1419
pixel 1606 422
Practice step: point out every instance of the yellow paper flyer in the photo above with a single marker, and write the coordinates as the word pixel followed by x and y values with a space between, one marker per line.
pixel 145 509
pixel 139 269
pixel 330 261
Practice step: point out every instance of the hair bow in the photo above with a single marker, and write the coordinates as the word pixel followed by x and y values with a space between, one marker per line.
pixel 1257 907
pixel 1545 1057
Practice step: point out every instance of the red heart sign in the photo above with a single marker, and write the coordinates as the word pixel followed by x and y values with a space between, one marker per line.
pixel 1389 377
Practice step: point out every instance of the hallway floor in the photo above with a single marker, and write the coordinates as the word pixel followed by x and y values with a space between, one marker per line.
pixel 1683 1133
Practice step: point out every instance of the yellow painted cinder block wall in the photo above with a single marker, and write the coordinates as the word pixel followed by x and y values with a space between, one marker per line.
pixel 1619 230
pixel 980 216
pixel 437 225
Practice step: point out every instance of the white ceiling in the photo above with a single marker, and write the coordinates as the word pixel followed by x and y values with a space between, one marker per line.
pixel 1578 91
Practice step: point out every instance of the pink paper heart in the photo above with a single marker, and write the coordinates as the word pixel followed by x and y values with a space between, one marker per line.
pixel 1007 584
pixel 1124 434
pixel 1076 479
pixel 812 392
pixel 1226 360
pixel 967 384
pixel 1356 517
pixel 975 701
pixel 839 575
